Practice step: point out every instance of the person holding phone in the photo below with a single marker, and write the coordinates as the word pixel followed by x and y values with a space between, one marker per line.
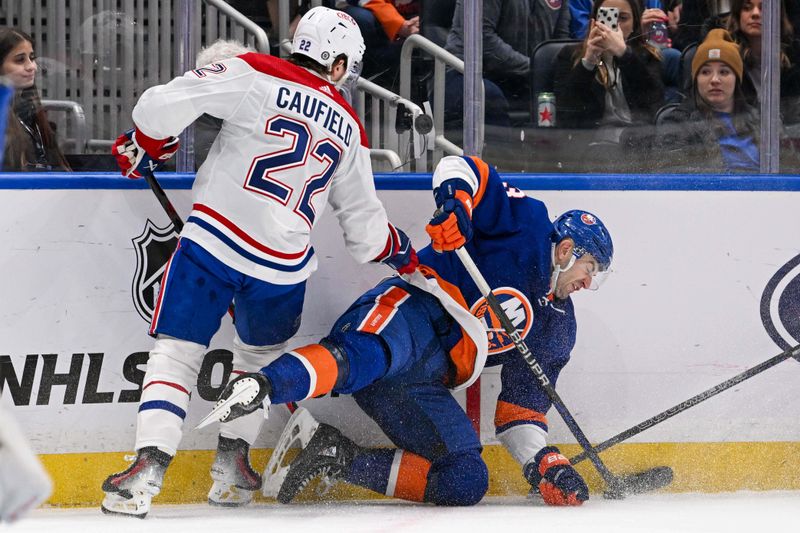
pixel 612 78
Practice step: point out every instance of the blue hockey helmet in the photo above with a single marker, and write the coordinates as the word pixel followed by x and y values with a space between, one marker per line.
pixel 589 235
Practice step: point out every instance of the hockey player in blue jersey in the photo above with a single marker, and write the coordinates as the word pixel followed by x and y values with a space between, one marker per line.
pixel 289 146
pixel 401 348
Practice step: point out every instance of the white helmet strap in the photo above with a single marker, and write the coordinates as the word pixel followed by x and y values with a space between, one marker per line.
pixel 557 268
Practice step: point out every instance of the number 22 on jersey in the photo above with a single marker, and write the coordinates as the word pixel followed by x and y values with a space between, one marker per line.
pixel 265 171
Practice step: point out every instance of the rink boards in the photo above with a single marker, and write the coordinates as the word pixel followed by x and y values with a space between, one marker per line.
pixel 706 284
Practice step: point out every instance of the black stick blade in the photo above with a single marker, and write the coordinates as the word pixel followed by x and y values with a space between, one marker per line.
pixel 641 482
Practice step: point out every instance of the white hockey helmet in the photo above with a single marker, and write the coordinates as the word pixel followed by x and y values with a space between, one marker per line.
pixel 323 34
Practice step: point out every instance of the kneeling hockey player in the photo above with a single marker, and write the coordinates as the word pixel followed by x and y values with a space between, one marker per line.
pixel 401 348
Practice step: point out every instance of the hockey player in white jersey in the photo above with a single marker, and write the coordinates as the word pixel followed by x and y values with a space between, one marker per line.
pixel 289 144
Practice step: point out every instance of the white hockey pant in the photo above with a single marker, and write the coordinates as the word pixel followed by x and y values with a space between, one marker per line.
pixel 248 358
pixel 170 377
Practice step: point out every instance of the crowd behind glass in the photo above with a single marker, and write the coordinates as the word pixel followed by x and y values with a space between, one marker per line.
pixel 570 85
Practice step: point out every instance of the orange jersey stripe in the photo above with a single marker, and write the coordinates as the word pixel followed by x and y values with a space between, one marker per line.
pixel 483 168
pixel 505 413
pixel 464 352
pixel 384 309
pixel 323 364
pixel 412 477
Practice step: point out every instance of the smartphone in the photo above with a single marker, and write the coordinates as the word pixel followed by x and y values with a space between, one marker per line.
pixel 658 35
pixel 608 16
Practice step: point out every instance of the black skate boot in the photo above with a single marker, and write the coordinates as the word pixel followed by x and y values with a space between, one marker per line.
pixel 234 478
pixel 130 492
pixel 326 458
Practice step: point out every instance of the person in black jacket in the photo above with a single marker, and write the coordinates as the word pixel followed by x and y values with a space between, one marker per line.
pixel 613 78
pixel 30 142
pixel 745 28
pixel 715 129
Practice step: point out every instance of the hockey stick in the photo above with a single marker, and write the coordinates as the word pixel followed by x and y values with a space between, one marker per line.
pixel 616 486
pixel 161 196
pixel 691 402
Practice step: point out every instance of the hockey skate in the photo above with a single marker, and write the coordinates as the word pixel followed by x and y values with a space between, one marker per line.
pixel 234 477
pixel 130 492
pixel 325 458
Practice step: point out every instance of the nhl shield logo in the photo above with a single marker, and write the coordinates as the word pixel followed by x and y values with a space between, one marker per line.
pixel 780 305
pixel 153 249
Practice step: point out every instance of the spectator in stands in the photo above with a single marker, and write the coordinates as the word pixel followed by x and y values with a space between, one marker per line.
pixel 745 28
pixel 715 129
pixel 612 78
pixel 697 18
pixel 30 143
pixel 653 11
pixel 511 31
pixel 385 24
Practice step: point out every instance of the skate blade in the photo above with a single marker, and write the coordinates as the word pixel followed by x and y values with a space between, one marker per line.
pixel 299 430
pixel 248 389
pixel 224 495
pixel 133 507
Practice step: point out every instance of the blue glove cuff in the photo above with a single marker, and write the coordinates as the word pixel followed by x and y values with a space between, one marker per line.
pixel 447 190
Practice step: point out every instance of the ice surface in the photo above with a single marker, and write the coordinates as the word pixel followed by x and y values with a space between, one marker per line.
pixel 741 512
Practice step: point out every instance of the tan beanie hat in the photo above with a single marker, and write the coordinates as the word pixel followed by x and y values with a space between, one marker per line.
pixel 718 46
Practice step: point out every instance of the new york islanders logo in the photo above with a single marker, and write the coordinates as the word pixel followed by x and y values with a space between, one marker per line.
pixel 780 305
pixel 517 308
pixel 153 249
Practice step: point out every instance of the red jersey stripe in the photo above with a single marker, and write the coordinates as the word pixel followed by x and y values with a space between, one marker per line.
pixel 244 236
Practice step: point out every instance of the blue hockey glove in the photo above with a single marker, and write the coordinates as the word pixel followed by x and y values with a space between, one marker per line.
pixel 558 482
pixel 451 225
pixel 137 154
pixel 398 254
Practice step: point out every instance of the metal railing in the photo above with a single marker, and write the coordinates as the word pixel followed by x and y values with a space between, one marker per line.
pixel 103 54
pixel 75 124
pixel 377 109
pixel 442 59
pixel 250 27
pixel 99 56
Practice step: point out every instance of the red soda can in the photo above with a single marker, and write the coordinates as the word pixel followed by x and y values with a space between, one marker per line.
pixel 546 116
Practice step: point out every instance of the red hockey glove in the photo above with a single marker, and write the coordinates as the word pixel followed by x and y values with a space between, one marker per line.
pixel 398 254
pixel 558 482
pixel 137 154
pixel 451 225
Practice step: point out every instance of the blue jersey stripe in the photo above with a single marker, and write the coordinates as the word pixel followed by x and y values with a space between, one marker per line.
pixel 418 182
pixel 163 405
pixel 247 255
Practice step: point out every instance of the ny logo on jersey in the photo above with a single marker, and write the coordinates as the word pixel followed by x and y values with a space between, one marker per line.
pixel 519 312
pixel 780 305
pixel 153 249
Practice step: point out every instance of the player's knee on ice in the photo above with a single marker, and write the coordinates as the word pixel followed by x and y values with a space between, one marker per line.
pixel 458 479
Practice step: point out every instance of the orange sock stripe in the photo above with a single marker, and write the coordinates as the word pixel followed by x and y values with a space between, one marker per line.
pixel 384 309
pixel 412 477
pixel 323 364
pixel 505 413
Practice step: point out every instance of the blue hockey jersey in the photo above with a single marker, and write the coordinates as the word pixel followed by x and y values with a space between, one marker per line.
pixel 512 247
